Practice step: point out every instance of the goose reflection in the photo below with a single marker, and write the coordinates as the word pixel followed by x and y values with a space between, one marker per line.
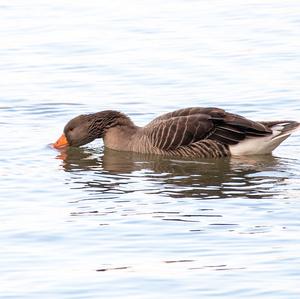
pixel 111 172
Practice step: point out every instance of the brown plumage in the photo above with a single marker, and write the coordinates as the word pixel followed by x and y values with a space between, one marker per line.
pixel 190 132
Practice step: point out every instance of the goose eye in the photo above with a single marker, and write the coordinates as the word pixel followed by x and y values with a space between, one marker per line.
pixel 71 129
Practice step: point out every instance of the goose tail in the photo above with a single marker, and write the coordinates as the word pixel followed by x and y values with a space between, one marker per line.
pixel 280 130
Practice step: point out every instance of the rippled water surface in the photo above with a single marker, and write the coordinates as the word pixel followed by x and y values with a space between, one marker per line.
pixel 95 223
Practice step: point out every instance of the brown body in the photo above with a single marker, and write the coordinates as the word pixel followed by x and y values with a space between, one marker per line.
pixel 190 132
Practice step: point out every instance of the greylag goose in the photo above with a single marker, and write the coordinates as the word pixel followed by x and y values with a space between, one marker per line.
pixel 191 132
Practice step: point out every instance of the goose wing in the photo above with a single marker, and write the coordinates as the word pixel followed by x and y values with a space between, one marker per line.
pixel 186 126
pixel 187 112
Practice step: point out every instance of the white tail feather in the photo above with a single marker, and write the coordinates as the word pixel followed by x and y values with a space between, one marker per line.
pixel 263 145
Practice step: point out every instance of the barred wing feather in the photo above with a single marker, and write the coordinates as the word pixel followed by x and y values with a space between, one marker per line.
pixel 187 126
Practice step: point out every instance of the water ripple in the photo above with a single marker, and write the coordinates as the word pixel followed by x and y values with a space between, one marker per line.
pixel 94 223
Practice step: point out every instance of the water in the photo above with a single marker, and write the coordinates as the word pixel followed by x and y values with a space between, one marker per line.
pixel 94 223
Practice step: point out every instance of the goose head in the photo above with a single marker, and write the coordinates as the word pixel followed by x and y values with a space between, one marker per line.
pixel 84 129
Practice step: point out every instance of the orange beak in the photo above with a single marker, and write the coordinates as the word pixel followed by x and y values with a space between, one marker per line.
pixel 62 142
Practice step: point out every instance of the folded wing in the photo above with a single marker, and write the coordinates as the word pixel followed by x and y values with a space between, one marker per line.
pixel 187 126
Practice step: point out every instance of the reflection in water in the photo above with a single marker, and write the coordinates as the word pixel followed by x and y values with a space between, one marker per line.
pixel 111 172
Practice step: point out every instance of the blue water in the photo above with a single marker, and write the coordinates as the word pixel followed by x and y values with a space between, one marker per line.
pixel 95 223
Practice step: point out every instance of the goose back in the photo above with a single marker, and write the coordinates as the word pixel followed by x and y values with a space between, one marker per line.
pixel 186 127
